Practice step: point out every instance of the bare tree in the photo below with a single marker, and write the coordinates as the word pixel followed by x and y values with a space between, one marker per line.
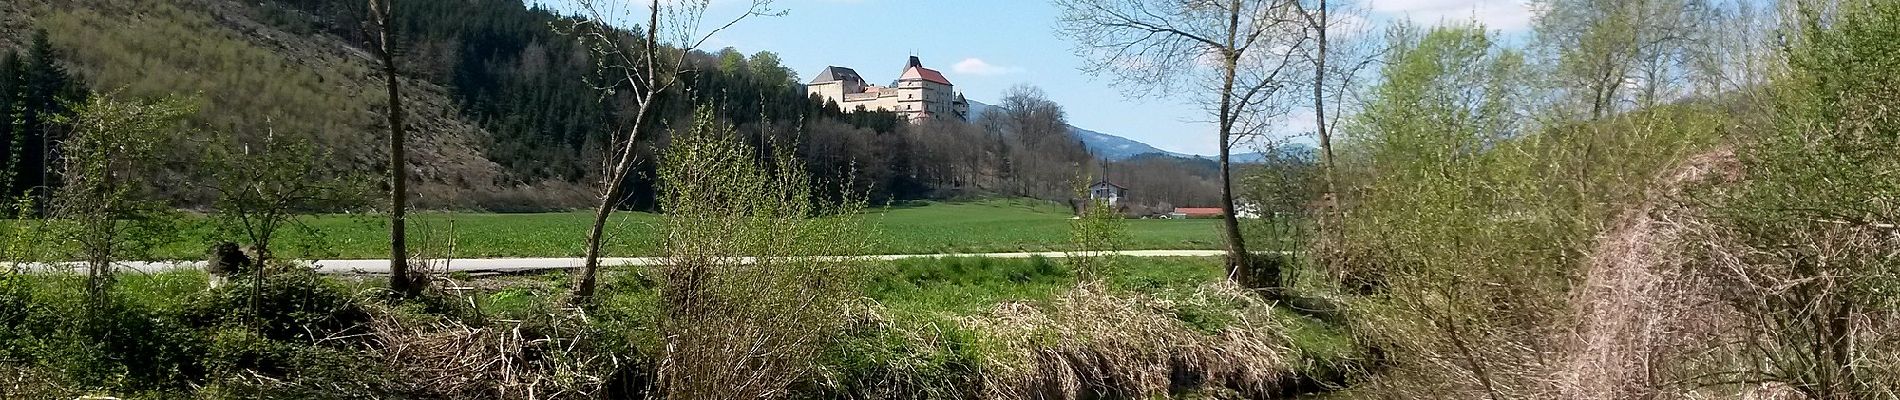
pixel 1316 20
pixel 400 281
pixel 1612 55
pixel 646 65
pixel 1333 39
pixel 1239 52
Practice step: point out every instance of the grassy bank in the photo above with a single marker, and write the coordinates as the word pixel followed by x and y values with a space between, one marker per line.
pixel 956 327
pixel 911 228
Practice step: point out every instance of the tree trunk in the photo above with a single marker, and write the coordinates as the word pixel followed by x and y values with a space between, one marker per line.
pixel 400 280
pixel 1240 264
pixel 1239 261
pixel 1331 196
pixel 610 198
pixel 590 268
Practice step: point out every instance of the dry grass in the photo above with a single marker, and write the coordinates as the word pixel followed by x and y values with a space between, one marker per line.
pixel 1092 343
pixel 449 359
pixel 1642 303
pixel 21 382
pixel 1676 303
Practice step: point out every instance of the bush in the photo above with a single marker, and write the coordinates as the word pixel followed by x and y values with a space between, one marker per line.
pixel 733 328
pixel 158 336
pixel 120 342
pixel 291 306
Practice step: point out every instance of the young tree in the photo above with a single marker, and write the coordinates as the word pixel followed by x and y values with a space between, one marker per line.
pixel 381 14
pixel 264 185
pixel 103 202
pixel 1429 183
pixel 1097 231
pixel 1805 246
pixel 1239 52
pixel 646 64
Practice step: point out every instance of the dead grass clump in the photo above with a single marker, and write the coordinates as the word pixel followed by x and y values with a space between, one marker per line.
pixel 28 382
pixel 448 359
pixel 1092 343
pixel 1643 305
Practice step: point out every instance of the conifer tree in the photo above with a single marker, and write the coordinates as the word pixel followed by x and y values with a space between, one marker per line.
pixel 9 94
pixel 44 88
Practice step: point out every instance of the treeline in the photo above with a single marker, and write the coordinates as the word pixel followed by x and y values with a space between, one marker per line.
pixel 1019 147
pixel 533 89
pixel 530 90
pixel 1158 183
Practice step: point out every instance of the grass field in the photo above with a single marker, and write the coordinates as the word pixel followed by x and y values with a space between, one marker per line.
pixel 996 225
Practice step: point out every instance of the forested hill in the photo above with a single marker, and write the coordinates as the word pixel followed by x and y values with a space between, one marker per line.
pixel 502 114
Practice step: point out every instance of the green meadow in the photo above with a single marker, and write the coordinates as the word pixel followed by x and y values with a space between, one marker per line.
pixel 996 225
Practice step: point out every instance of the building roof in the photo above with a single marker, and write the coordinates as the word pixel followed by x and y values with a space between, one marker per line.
pixel 1105 182
pixel 914 69
pixel 924 74
pixel 836 73
pixel 1199 210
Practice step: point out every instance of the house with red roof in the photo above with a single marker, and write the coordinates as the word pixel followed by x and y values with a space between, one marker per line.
pixel 1196 212
pixel 919 93
pixel 1243 211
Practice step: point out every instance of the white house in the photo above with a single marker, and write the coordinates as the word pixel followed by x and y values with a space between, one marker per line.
pixel 1108 192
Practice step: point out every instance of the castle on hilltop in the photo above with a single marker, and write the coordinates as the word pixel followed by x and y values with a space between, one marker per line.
pixel 919 94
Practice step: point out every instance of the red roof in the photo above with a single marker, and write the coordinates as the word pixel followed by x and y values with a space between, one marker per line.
pixel 1199 211
pixel 924 74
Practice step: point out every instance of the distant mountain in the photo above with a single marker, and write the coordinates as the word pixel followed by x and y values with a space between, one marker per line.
pixel 1117 148
pixel 1295 151
pixel 1111 147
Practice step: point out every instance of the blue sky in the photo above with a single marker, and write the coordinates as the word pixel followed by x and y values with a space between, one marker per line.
pixel 986 46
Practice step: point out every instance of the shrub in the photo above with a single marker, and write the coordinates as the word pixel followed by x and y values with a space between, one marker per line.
pixel 293 305
pixel 747 328
pixel 1802 250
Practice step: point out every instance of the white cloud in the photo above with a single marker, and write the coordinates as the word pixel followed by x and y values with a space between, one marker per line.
pixel 978 67
pixel 1505 15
